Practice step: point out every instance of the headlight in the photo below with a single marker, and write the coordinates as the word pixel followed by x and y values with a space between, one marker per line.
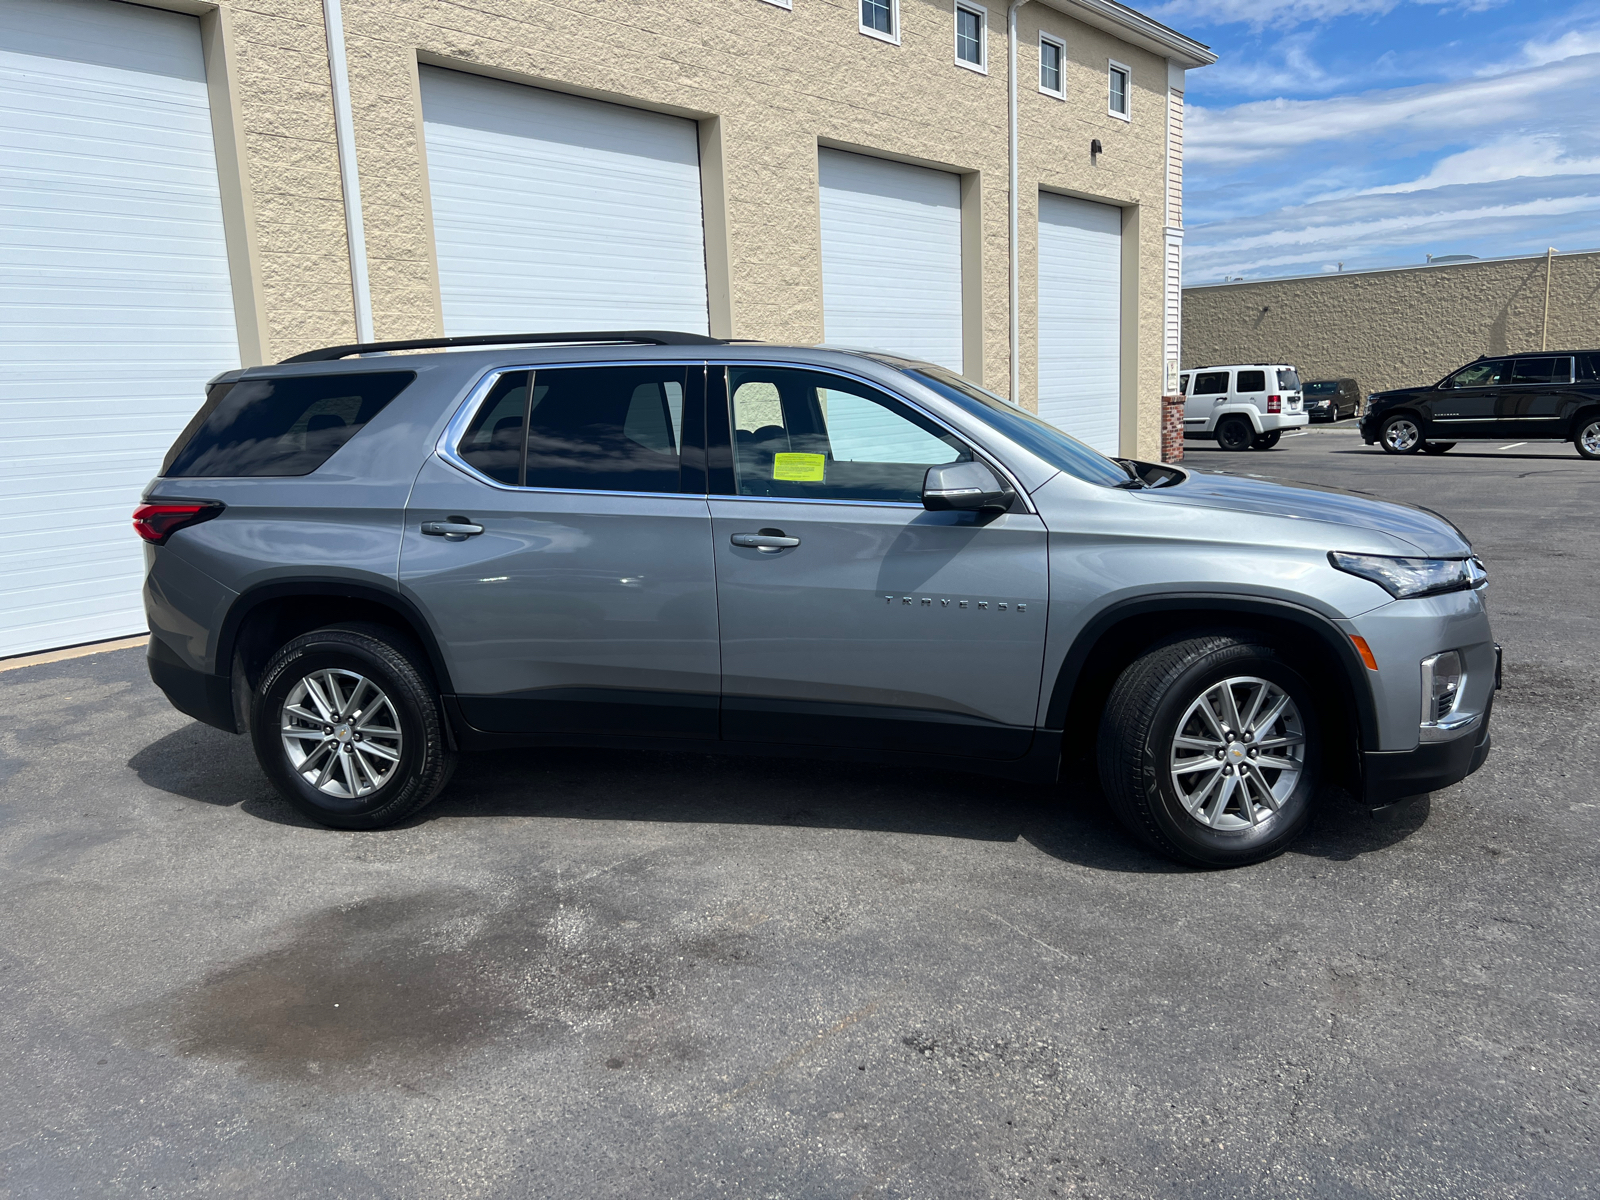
pixel 1404 578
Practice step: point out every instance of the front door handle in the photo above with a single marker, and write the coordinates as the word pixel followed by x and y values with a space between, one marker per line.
pixel 455 529
pixel 768 541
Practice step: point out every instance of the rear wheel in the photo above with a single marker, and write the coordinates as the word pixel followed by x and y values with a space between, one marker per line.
pixel 1265 441
pixel 1400 435
pixel 1587 439
pixel 1234 433
pixel 1438 447
pixel 1209 750
pixel 347 727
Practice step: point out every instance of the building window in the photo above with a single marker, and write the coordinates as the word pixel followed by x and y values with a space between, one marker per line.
pixel 1118 102
pixel 1052 66
pixel 972 41
pixel 881 19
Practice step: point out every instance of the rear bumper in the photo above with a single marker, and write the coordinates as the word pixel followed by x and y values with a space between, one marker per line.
pixel 207 698
pixel 1391 775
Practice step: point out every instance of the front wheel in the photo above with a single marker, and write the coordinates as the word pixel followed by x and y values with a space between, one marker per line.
pixel 1234 433
pixel 348 728
pixel 1265 441
pixel 1438 447
pixel 1587 439
pixel 1400 435
pixel 1209 750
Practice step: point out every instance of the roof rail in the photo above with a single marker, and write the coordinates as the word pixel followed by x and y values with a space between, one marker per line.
pixel 638 337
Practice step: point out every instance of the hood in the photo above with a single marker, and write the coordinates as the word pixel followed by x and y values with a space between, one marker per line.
pixel 1432 535
pixel 1400 394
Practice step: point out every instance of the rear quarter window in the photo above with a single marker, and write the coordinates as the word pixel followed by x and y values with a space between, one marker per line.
pixel 1252 381
pixel 287 426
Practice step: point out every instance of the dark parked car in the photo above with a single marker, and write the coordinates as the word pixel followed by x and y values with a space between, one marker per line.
pixel 1332 399
pixel 1524 398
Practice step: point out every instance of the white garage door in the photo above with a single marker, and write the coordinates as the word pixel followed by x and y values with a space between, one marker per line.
pixel 1080 319
pixel 115 306
pixel 891 257
pixel 552 212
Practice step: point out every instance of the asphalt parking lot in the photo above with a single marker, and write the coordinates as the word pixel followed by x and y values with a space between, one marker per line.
pixel 624 974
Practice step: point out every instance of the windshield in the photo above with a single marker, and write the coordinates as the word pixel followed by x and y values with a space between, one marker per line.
pixel 1060 450
pixel 1321 389
pixel 1288 380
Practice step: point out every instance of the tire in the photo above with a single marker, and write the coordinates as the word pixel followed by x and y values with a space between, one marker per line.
pixel 1400 435
pixel 1265 441
pixel 1438 447
pixel 1234 433
pixel 320 676
pixel 1159 697
pixel 1587 439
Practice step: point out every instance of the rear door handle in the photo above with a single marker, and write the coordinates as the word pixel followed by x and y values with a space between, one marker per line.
pixel 456 529
pixel 765 541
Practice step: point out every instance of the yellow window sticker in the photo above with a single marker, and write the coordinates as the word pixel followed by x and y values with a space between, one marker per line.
pixel 798 468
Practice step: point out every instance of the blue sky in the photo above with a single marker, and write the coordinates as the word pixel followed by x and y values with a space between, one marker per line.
pixel 1376 132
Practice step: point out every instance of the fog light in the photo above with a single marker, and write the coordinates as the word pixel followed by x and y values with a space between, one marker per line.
pixel 1441 686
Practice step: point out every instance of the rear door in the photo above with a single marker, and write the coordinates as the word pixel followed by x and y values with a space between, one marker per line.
pixel 560 547
pixel 874 622
pixel 1530 405
pixel 1464 405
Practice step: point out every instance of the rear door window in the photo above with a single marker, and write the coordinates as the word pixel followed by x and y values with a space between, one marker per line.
pixel 1252 381
pixel 286 426
pixel 1541 370
pixel 590 429
pixel 1211 383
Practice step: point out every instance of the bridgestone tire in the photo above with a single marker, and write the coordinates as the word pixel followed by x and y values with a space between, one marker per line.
pixel 1438 447
pixel 1266 441
pixel 393 666
pixel 1234 433
pixel 1140 721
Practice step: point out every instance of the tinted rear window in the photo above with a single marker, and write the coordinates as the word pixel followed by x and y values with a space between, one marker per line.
pixel 1252 381
pixel 1288 381
pixel 287 426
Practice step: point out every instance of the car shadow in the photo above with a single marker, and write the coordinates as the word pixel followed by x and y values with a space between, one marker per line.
pixel 1068 822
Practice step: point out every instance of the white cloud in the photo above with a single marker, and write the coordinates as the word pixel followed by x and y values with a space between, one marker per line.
pixel 1447 112
pixel 1569 45
pixel 1514 156
pixel 1261 13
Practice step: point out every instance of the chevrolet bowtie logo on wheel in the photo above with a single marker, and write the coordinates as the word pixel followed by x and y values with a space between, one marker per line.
pixel 981 605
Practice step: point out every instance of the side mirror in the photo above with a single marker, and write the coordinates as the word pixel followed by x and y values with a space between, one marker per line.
pixel 968 486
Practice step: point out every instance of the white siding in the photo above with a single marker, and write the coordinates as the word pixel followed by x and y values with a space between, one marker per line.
pixel 115 306
pixel 1080 319
pixel 553 212
pixel 891 257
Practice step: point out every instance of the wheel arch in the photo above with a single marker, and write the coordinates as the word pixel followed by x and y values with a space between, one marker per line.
pixel 1586 412
pixel 1248 411
pixel 1124 630
pixel 268 615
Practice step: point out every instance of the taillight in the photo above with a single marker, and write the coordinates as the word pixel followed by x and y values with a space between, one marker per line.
pixel 155 523
pixel 1274 404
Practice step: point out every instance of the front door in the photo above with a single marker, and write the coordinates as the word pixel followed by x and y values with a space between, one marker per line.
pixel 1463 406
pixel 850 615
pixel 561 551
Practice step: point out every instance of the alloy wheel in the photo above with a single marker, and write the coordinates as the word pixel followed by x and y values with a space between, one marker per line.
pixel 341 733
pixel 1589 439
pixel 1238 753
pixel 1402 435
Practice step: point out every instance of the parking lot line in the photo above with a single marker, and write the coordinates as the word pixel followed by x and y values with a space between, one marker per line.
pixel 1513 445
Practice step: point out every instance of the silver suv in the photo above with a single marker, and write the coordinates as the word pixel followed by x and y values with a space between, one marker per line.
pixel 371 561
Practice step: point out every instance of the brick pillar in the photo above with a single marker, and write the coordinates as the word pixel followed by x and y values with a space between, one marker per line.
pixel 1172 429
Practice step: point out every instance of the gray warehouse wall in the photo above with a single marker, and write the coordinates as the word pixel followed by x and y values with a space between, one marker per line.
pixel 1395 328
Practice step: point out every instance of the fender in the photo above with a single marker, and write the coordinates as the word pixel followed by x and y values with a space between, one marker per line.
pixel 254 597
pixel 1224 606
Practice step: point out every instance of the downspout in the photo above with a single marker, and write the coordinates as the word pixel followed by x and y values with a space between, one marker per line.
pixel 1544 337
pixel 344 133
pixel 1015 323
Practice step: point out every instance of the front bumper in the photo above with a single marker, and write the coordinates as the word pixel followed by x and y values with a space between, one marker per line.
pixel 1390 775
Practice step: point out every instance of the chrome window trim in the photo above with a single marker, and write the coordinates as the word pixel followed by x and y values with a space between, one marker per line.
pixel 995 460
pixel 456 428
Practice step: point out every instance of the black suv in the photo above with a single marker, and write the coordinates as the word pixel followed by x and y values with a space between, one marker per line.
pixel 1525 398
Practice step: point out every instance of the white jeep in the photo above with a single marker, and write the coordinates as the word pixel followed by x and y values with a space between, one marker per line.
pixel 1243 407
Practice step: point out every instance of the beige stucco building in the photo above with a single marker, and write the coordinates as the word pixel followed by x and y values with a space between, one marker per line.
pixel 1397 328
pixel 260 177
